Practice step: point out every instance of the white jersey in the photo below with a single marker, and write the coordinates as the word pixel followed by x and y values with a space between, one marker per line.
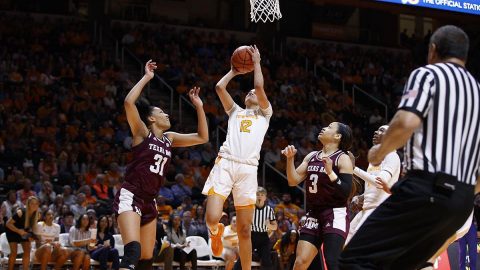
pixel 47 233
pixel 246 130
pixel 390 166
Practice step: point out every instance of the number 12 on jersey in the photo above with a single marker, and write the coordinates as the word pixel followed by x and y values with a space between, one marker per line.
pixel 244 126
pixel 159 164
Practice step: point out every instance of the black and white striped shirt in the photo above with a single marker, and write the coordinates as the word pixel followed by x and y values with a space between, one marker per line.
pixel 447 98
pixel 260 218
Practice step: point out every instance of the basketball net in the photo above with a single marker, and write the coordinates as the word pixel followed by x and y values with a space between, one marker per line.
pixel 265 10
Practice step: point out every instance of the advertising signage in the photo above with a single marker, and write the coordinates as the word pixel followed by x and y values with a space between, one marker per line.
pixel 463 6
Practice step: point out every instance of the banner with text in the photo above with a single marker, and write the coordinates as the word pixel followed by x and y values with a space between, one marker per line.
pixel 464 6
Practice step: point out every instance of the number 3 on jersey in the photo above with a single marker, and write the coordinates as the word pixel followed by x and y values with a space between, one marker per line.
pixel 244 126
pixel 313 187
pixel 159 164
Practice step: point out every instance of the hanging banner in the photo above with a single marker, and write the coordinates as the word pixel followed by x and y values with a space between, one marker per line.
pixel 463 6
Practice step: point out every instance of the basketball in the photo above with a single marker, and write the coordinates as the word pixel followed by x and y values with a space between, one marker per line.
pixel 242 60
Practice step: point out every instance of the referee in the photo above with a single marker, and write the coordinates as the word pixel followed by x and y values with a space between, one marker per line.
pixel 263 220
pixel 438 121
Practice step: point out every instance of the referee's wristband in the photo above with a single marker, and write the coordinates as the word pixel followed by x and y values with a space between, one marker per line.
pixel 333 176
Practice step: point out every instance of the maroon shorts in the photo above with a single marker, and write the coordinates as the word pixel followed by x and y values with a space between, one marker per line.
pixel 321 222
pixel 127 201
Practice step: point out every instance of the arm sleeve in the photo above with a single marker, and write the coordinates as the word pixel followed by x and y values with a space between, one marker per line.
pixel 390 165
pixel 418 92
pixel 345 182
pixel 267 112
pixel 232 110
pixel 365 176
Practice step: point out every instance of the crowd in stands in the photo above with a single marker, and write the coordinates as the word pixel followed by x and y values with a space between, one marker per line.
pixel 64 144
pixel 65 140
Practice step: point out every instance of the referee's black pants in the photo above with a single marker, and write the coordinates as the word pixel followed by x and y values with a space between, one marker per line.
pixel 260 246
pixel 410 226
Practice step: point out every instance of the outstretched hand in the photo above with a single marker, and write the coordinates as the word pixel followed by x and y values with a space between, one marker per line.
pixel 382 185
pixel 149 68
pixel 195 98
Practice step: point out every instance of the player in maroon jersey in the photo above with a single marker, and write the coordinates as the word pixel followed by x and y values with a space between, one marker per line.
pixel 135 202
pixel 328 176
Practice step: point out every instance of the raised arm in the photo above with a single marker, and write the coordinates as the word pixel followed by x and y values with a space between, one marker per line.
pixel 258 78
pixel 295 176
pixel 137 126
pixel 183 140
pixel 221 89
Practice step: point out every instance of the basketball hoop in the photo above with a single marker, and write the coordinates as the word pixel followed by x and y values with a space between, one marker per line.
pixel 265 10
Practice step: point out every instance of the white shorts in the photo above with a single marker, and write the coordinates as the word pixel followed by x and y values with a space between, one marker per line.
pixel 464 229
pixel 229 176
pixel 357 222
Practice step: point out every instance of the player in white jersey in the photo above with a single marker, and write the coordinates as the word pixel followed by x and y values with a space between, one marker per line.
pixel 236 166
pixel 49 249
pixel 377 179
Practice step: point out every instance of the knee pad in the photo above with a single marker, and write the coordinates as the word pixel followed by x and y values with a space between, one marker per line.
pixel 131 255
pixel 145 264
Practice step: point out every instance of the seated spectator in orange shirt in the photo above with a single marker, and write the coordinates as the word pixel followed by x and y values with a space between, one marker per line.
pixel 164 210
pixel 89 198
pixel 101 189
pixel 289 209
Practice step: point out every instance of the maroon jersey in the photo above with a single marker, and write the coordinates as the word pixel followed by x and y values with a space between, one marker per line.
pixel 146 172
pixel 321 192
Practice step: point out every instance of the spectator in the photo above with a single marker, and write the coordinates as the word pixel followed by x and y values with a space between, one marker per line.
pixel 113 179
pixel 80 207
pixel 20 231
pixel 57 205
pixel 186 205
pixel 180 189
pixel 164 210
pixel 167 194
pixel 89 197
pixel 68 197
pixel 67 223
pixel 187 225
pixel 10 202
pixel 104 250
pixel 177 239
pixel 163 250
pixel 92 217
pixel 101 189
pixel 26 192
pixel 80 238
pixel 47 195
pixel 286 249
pixel 48 247
pixel 200 223
pixel 288 208
pixel 230 244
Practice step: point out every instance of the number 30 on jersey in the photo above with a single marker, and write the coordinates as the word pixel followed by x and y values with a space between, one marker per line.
pixel 159 164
